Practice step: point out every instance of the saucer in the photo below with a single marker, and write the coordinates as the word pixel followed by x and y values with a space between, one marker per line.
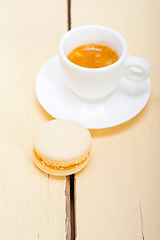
pixel 59 101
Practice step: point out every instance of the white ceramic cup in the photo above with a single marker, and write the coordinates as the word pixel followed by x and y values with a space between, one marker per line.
pixel 97 83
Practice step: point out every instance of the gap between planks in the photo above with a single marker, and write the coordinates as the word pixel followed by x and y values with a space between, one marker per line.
pixel 70 222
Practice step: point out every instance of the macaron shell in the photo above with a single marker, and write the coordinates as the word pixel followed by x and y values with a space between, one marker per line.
pixel 62 140
pixel 58 172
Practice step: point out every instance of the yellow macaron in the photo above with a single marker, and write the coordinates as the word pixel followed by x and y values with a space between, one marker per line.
pixel 61 147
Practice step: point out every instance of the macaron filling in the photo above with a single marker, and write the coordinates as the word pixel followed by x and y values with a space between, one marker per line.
pixel 55 165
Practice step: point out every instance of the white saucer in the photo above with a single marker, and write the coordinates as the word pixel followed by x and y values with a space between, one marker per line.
pixel 126 101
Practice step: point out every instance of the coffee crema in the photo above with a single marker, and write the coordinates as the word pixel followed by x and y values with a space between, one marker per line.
pixel 93 56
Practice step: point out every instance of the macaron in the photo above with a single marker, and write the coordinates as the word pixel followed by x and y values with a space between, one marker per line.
pixel 61 147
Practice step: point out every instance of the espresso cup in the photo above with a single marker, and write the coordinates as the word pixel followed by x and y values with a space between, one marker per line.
pixel 98 83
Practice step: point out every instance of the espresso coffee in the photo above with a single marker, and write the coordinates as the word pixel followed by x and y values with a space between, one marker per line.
pixel 93 56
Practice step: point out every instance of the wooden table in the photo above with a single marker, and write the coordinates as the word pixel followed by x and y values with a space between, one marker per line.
pixel 117 196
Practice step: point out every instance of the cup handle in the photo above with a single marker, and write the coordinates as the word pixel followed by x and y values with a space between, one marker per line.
pixel 136 69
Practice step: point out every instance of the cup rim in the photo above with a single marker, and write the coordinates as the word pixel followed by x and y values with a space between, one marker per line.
pixel 80 68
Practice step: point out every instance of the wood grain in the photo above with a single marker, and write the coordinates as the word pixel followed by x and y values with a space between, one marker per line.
pixel 32 203
pixel 118 193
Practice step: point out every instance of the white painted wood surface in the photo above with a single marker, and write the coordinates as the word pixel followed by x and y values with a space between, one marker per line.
pixel 32 203
pixel 118 193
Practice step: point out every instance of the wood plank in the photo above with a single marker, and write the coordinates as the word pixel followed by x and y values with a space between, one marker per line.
pixel 32 203
pixel 118 193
